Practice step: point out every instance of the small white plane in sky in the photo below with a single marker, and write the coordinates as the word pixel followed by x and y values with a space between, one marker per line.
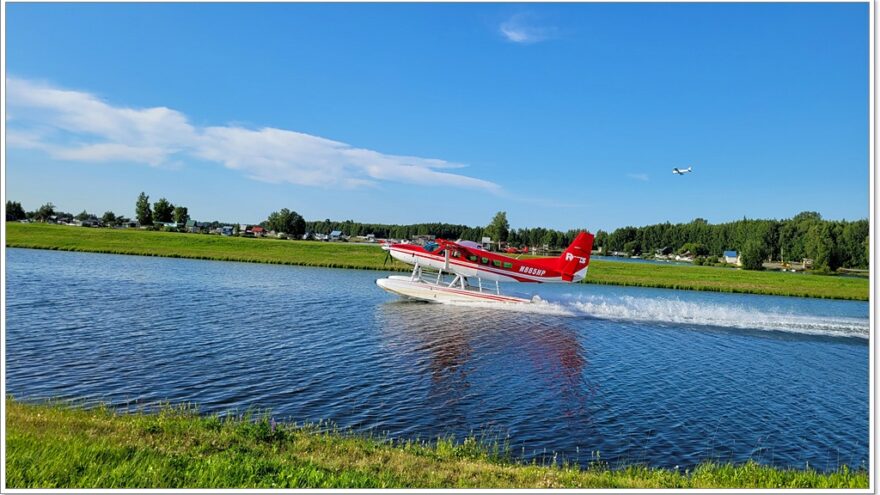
pixel 681 171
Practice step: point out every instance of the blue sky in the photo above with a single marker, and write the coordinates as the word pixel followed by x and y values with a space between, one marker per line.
pixel 565 116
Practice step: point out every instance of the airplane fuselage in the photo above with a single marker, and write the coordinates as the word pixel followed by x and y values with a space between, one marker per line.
pixel 486 265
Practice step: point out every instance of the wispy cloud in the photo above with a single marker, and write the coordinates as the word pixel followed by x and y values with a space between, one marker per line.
pixel 78 126
pixel 525 28
pixel 641 177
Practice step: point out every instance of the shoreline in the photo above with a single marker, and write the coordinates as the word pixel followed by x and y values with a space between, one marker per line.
pixel 52 445
pixel 370 257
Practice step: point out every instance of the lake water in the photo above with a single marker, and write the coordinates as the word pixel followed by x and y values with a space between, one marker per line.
pixel 653 376
pixel 624 259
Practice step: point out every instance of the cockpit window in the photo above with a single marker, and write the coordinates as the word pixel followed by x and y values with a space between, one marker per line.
pixel 431 246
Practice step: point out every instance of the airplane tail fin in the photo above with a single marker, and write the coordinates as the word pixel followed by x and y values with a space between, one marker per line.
pixel 576 258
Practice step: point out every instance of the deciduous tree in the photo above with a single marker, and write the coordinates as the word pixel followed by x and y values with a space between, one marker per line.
pixel 498 228
pixel 752 255
pixel 287 221
pixel 14 211
pixel 181 215
pixel 163 211
pixel 109 218
pixel 142 210
pixel 45 211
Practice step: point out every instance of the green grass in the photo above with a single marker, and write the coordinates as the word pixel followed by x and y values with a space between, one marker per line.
pixel 342 255
pixel 54 446
pixel 707 278
pixel 198 246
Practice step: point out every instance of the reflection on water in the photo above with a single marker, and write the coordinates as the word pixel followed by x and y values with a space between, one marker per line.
pixel 453 343
pixel 655 376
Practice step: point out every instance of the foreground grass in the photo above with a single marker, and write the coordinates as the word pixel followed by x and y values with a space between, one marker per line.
pixel 53 446
pixel 341 255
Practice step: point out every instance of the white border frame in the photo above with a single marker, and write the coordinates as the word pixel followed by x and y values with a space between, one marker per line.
pixel 872 284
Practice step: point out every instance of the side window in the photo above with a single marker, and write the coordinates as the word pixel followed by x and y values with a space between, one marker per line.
pixel 508 265
pixel 472 258
pixel 496 262
pixel 484 260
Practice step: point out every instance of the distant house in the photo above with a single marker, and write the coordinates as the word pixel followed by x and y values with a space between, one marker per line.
pixel 686 256
pixel 336 235
pixel 62 220
pixel 89 222
pixel 226 230
pixel 192 226
pixel 731 257
pixel 170 225
pixel 486 242
pixel 245 230
pixel 258 231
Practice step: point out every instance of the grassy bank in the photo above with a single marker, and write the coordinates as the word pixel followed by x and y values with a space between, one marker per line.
pixel 706 278
pixel 52 446
pixel 341 255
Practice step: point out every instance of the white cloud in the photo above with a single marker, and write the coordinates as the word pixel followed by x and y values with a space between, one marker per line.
pixel 522 28
pixel 103 152
pixel 641 177
pixel 78 126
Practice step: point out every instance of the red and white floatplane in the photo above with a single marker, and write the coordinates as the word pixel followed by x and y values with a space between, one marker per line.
pixel 467 264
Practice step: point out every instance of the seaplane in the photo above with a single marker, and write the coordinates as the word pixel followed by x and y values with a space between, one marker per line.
pixel 681 171
pixel 476 273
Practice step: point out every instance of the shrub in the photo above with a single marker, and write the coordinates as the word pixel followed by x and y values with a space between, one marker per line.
pixel 752 255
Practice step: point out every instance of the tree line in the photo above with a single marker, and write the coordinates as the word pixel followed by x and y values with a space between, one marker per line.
pixel 48 211
pixel 162 211
pixel 497 230
pixel 831 244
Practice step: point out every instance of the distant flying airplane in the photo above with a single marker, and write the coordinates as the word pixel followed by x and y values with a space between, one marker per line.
pixel 681 171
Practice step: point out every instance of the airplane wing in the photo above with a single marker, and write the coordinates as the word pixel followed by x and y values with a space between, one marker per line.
pixel 453 245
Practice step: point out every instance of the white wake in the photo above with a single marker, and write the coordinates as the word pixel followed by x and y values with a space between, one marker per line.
pixel 722 315
pixel 680 312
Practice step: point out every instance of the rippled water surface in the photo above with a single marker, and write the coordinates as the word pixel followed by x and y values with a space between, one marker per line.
pixel 641 375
